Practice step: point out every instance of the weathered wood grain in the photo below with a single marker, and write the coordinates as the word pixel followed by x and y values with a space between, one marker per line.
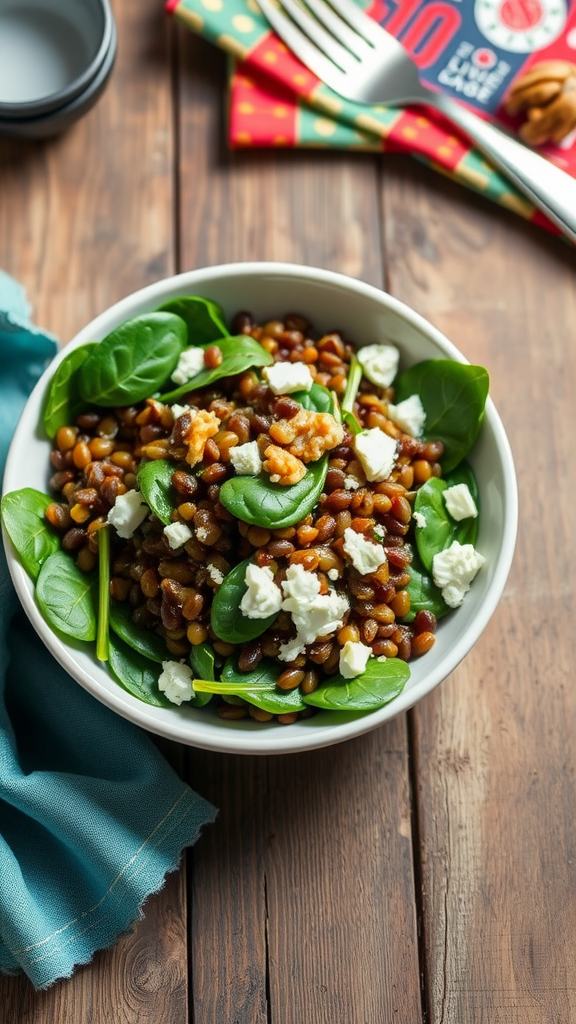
pixel 342 935
pixel 494 749
pixel 84 220
pixel 302 894
pixel 228 969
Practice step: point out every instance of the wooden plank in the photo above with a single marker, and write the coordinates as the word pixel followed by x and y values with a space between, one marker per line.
pixel 227 893
pixel 302 894
pixel 340 889
pixel 494 749
pixel 84 220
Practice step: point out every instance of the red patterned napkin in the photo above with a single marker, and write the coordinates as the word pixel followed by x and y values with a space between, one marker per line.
pixel 470 49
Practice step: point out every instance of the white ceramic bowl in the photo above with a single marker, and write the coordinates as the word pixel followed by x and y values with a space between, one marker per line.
pixel 365 315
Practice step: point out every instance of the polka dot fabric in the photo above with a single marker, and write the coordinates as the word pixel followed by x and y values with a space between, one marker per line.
pixel 276 101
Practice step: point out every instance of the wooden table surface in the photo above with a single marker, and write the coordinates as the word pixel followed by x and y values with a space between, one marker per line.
pixel 425 872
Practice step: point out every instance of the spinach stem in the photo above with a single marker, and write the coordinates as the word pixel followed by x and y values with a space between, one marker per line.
pixel 102 635
pixel 206 686
pixel 352 386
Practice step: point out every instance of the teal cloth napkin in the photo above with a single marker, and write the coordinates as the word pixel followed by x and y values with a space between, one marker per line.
pixel 91 815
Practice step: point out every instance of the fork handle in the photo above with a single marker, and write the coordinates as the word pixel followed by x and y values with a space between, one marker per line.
pixel 546 186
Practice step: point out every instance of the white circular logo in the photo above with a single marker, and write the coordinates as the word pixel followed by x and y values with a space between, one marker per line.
pixel 520 26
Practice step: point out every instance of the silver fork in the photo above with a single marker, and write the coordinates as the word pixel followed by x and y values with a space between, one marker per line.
pixel 358 59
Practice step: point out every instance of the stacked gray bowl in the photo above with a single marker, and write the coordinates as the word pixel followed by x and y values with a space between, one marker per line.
pixel 55 59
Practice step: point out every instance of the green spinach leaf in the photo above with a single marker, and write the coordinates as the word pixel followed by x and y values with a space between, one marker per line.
pixel 226 618
pixel 23 514
pixel 204 319
pixel 257 687
pixel 63 400
pixel 202 660
pixel 137 674
pixel 256 500
pixel 238 354
pixel 146 642
pixel 441 530
pixel 380 683
pixel 454 397
pixel 67 597
pixel 154 480
pixel 134 361
pixel 424 594
pixel 318 399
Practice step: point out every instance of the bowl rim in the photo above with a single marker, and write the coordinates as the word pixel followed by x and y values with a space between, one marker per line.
pixel 54 102
pixel 183 730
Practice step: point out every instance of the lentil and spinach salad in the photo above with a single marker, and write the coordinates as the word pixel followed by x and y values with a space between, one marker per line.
pixel 260 520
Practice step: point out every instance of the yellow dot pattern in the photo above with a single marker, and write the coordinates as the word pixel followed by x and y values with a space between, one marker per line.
pixel 241 22
pixel 324 127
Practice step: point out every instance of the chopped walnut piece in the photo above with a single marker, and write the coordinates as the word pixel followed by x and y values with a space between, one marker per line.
pixel 308 434
pixel 547 93
pixel 284 468
pixel 204 425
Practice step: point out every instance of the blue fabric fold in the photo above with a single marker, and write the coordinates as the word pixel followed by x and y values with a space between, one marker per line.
pixel 92 817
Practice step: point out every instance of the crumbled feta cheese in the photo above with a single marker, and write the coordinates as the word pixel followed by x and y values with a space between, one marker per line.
pixel 246 459
pixel 179 410
pixel 409 415
pixel 419 519
pixel 379 363
pixel 215 574
pixel 333 574
pixel 454 569
pixel 382 658
pixel 353 659
pixel 190 363
pixel 379 531
pixel 459 502
pixel 376 452
pixel 176 681
pixel 351 483
pixel 262 597
pixel 128 511
pixel 365 556
pixel 284 378
pixel 177 534
pixel 299 588
pixel 314 614
pixel 291 649
pixel 320 617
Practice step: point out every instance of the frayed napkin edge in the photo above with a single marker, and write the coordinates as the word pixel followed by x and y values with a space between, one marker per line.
pixel 132 914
